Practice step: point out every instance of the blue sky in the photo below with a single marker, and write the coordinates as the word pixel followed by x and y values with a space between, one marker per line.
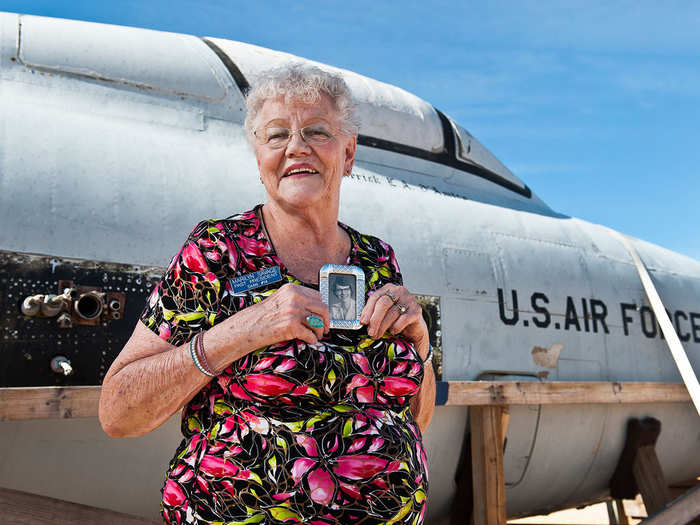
pixel 595 105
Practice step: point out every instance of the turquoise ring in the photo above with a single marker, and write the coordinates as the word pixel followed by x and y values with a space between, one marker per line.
pixel 314 322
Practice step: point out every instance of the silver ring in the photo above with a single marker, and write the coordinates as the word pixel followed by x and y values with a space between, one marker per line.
pixel 401 307
pixel 391 296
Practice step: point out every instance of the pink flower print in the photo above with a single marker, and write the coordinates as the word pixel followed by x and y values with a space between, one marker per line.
pixel 392 259
pixel 283 495
pixel 365 394
pixel 301 466
pixel 357 444
pixel 203 485
pixel 267 385
pixel 309 444
pixel 256 424
pixel 238 392
pixel 192 258
pixel 255 224
pixel 224 380
pixel 377 444
pixel 375 413
pixel 379 482
pixel 356 381
pixel 350 490
pixel 303 389
pixel 212 256
pixel 285 366
pixel 229 487
pixel 360 466
pixel 173 495
pixel 335 445
pixel 206 243
pixel 398 386
pixel 252 246
pixel 186 476
pixel 393 466
pixel 264 363
pixel 218 467
pixel 164 331
pixel 232 253
pixel 321 486
pixel 400 367
pixel 361 361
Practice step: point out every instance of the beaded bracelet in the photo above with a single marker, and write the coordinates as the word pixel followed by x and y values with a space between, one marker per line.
pixel 430 355
pixel 195 359
pixel 203 356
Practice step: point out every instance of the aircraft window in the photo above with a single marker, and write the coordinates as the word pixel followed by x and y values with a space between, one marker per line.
pixel 470 150
pixel 152 60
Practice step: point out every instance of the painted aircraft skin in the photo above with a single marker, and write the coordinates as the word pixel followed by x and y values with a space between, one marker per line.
pixel 115 141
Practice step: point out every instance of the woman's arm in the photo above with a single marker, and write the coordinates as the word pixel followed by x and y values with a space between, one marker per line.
pixel 423 403
pixel 151 379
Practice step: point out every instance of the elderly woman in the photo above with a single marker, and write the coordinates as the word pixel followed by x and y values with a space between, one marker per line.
pixel 284 420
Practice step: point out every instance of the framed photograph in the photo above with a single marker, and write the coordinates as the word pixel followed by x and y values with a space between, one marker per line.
pixel 343 290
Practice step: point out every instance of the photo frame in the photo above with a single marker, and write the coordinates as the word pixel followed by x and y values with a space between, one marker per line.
pixel 343 290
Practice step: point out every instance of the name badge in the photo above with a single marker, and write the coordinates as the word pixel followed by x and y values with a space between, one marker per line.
pixel 257 279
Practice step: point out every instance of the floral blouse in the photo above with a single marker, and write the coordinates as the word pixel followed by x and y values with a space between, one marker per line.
pixel 290 433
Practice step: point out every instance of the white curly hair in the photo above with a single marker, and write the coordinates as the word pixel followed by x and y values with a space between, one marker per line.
pixel 304 83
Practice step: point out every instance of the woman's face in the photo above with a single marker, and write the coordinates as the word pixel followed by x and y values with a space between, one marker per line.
pixel 301 175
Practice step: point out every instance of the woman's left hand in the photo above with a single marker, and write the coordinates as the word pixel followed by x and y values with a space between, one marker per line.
pixel 382 313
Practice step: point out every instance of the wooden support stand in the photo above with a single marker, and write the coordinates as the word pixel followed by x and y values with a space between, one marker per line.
pixel 684 510
pixel 480 498
pixel 639 469
pixel 650 479
pixel 489 490
pixel 49 402
pixel 53 402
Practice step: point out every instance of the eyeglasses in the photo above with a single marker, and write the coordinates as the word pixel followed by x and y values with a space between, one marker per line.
pixel 277 137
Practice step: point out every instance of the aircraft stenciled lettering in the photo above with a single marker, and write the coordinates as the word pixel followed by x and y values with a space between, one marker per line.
pixel 397 183
pixel 591 315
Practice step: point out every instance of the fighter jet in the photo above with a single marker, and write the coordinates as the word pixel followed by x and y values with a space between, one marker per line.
pixel 106 130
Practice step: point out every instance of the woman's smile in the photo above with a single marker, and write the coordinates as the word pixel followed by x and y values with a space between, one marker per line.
pixel 300 170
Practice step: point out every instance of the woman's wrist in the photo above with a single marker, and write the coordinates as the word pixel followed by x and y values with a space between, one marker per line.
pixel 230 340
pixel 428 360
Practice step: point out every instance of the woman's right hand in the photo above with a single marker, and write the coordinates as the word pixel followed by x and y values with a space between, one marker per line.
pixel 151 379
pixel 283 315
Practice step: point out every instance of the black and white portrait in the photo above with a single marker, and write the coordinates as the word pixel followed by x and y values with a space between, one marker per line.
pixel 343 290
pixel 342 296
